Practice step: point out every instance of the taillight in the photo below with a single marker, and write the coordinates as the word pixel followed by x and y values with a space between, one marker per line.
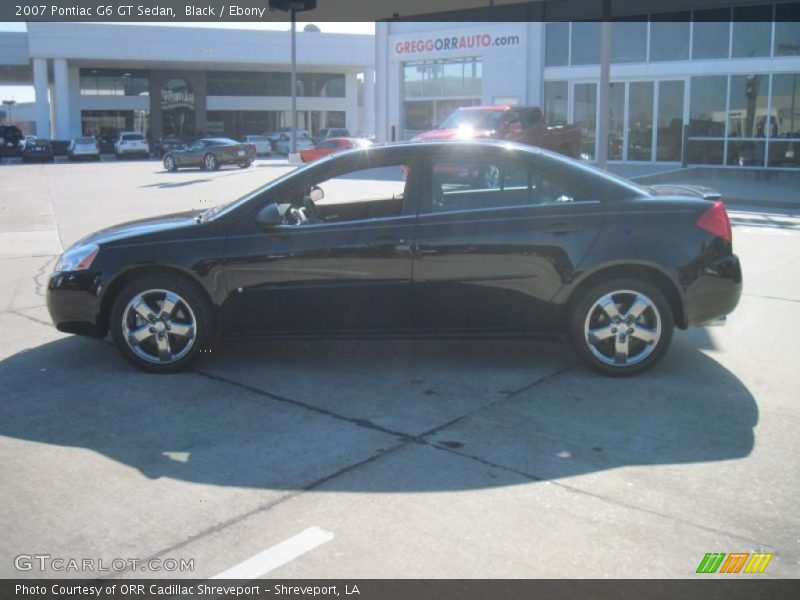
pixel 716 222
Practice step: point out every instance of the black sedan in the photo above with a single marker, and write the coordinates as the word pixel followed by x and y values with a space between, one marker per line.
pixel 37 150
pixel 167 143
pixel 211 154
pixel 405 239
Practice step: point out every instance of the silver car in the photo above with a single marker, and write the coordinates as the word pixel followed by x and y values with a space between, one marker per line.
pixel 284 143
pixel 83 147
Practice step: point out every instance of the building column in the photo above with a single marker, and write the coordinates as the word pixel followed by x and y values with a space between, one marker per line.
pixel 351 107
pixel 61 80
pixel 382 81
pixel 41 87
pixel 369 102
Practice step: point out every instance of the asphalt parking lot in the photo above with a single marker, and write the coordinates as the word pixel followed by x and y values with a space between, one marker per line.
pixel 385 458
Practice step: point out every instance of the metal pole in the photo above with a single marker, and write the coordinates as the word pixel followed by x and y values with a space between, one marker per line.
pixel 294 85
pixel 603 88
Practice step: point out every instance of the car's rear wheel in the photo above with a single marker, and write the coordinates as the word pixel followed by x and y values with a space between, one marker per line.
pixel 245 164
pixel 622 326
pixel 210 162
pixel 161 323
pixel 170 164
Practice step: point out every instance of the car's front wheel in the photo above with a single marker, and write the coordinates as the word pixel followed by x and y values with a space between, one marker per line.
pixel 622 326
pixel 161 323
pixel 170 164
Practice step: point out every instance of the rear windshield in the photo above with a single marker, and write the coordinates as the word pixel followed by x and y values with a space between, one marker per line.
pixel 86 140
pixel 133 137
pixel 256 138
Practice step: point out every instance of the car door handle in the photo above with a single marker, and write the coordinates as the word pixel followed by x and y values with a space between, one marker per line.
pixel 561 228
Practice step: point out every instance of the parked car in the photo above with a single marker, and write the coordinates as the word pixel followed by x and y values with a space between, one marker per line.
pixel 10 136
pixel 211 154
pixel 554 246
pixel 83 147
pixel 331 146
pixel 524 124
pixel 275 136
pixel 167 143
pixel 331 132
pixel 131 143
pixel 284 143
pixel 261 143
pixel 38 150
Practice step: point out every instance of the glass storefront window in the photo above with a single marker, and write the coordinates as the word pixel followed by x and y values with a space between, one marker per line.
pixel 556 52
pixel 752 31
pixel 616 116
pixel 113 82
pixel 177 109
pixel 787 29
pixel 640 120
pixel 555 102
pixel 785 113
pixel 711 33
pixel 453 78
pixel 670 120
pixel 248 83
pixel 106 124
pixel 442 78
pixel 707 106
pixel 585 113
pixel 747 110
pixel 628 41
pixel 669 37
pixel 585 43
pixel 418 116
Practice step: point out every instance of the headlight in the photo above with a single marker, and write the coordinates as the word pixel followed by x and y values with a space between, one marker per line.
pixel 77 258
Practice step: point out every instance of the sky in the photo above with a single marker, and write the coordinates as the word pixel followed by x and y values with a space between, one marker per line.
pixel 25 93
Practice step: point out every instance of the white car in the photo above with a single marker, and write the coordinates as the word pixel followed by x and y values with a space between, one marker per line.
pixel 261 142
pixel 83 147
pixel 284 143
pixel 131 143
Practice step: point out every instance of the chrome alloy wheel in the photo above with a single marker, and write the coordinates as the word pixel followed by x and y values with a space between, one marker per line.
pixel 623 328
pixel 210 162
pixel 159 326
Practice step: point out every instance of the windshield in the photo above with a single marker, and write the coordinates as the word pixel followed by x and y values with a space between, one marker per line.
pixel 477 119
pixel 133 137
pixel 86 140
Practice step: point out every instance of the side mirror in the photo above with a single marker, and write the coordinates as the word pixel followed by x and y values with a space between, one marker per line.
pixel 269 216
pixel 316 194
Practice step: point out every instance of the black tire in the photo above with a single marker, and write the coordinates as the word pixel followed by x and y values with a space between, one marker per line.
pixel 170 164
pixel 210 162
pixel 199 308
pixel 584 315
pixel 245 164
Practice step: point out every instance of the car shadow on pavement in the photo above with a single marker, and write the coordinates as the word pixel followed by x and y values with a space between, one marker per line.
pixel 290 415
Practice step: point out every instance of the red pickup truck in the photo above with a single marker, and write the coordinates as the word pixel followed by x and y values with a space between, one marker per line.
pixel 524 124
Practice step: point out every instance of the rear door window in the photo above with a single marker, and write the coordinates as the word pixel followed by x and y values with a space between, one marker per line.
pixel 462 184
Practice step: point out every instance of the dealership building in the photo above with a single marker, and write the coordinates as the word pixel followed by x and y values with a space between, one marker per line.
pixel 731 74
pixel 184 81
pixel 719 86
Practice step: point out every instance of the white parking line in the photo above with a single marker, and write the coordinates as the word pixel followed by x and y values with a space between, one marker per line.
pixel 278 555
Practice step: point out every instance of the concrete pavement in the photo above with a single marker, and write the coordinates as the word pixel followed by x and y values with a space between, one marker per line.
pixel 421 458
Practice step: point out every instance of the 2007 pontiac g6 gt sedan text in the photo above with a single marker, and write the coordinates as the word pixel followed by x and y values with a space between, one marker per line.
pixel 421 239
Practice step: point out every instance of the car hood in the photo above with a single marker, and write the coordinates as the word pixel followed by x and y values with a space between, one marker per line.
pixel 452 134
pixel 139 227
